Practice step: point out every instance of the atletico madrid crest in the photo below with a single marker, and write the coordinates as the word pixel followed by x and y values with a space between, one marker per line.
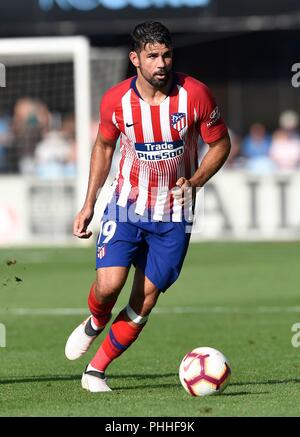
pixel 178 120
pixel 101 251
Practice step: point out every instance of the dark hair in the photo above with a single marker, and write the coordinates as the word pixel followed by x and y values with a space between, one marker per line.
pixel 150 32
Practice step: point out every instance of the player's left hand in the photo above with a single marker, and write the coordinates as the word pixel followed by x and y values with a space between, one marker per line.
pixel 183 192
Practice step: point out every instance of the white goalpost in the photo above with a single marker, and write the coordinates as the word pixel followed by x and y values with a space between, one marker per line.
pixel 61 80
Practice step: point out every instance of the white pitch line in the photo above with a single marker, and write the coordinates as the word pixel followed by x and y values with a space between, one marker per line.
pixel 158 311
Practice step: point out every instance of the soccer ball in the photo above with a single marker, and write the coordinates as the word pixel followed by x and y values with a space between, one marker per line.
pixel 204 371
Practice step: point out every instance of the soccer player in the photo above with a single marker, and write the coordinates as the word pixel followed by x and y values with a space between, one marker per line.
pixel 159 115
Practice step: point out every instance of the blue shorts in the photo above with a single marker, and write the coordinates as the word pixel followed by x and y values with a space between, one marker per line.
pixel 157 248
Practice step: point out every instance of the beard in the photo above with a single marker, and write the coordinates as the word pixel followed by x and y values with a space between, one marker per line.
pixel 155 81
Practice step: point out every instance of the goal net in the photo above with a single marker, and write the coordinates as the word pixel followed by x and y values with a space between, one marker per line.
pixel 49 114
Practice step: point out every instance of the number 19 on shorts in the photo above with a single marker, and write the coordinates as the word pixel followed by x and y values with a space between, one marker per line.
pixel 107 229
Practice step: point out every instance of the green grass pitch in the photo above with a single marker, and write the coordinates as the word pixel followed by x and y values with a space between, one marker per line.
pixel 241 298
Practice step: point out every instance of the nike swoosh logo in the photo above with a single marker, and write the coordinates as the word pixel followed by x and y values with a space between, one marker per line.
pixel 129 124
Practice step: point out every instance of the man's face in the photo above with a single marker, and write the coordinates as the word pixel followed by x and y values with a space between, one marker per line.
pixel 154 62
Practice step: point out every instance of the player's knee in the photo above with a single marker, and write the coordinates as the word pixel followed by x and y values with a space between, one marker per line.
pixel 107 290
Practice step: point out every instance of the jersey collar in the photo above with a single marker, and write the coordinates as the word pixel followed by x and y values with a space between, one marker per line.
pixel 175 81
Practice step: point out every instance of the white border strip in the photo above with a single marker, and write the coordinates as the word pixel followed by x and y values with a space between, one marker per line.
pixel 162 310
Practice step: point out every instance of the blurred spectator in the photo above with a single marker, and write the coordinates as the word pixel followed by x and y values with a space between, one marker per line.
pixel 289 121
pixel 255 148
pixel 31 119
pixel 257 142
pixel 68 128
pixel 5 140
pixel 234 160
pixel 285 148
pixel 55 155
pixel 69 134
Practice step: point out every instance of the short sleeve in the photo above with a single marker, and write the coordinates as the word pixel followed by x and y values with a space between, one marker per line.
pixel 107 125
pixel 211 125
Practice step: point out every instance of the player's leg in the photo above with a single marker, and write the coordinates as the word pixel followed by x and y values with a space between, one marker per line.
pixel 159 265
pixel 102 297
pixel 144 294
pixel 126 327
pixel 104 293
pixel 116 245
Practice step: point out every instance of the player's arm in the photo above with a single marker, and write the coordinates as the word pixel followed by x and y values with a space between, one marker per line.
pixel 100 164
pixel 214 133
pixel 212 162
pixel 210 165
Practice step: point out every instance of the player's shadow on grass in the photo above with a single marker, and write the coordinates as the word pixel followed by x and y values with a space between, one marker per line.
pixel 269 381
pixel 244 393
pixel 143 375
pixel 54 378
pixel 140 377
pixel 41 378
pixel 142 386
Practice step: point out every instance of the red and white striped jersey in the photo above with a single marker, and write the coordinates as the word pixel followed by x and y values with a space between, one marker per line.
pixel 159 143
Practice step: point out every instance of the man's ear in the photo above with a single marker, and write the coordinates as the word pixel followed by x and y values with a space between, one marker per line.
pixel 134 57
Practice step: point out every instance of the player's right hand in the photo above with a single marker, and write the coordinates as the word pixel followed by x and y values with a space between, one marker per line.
pixel 81 222
pixel 183 192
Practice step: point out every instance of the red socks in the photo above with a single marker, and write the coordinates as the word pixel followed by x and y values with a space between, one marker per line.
pixel 121 335
pixel 101 311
